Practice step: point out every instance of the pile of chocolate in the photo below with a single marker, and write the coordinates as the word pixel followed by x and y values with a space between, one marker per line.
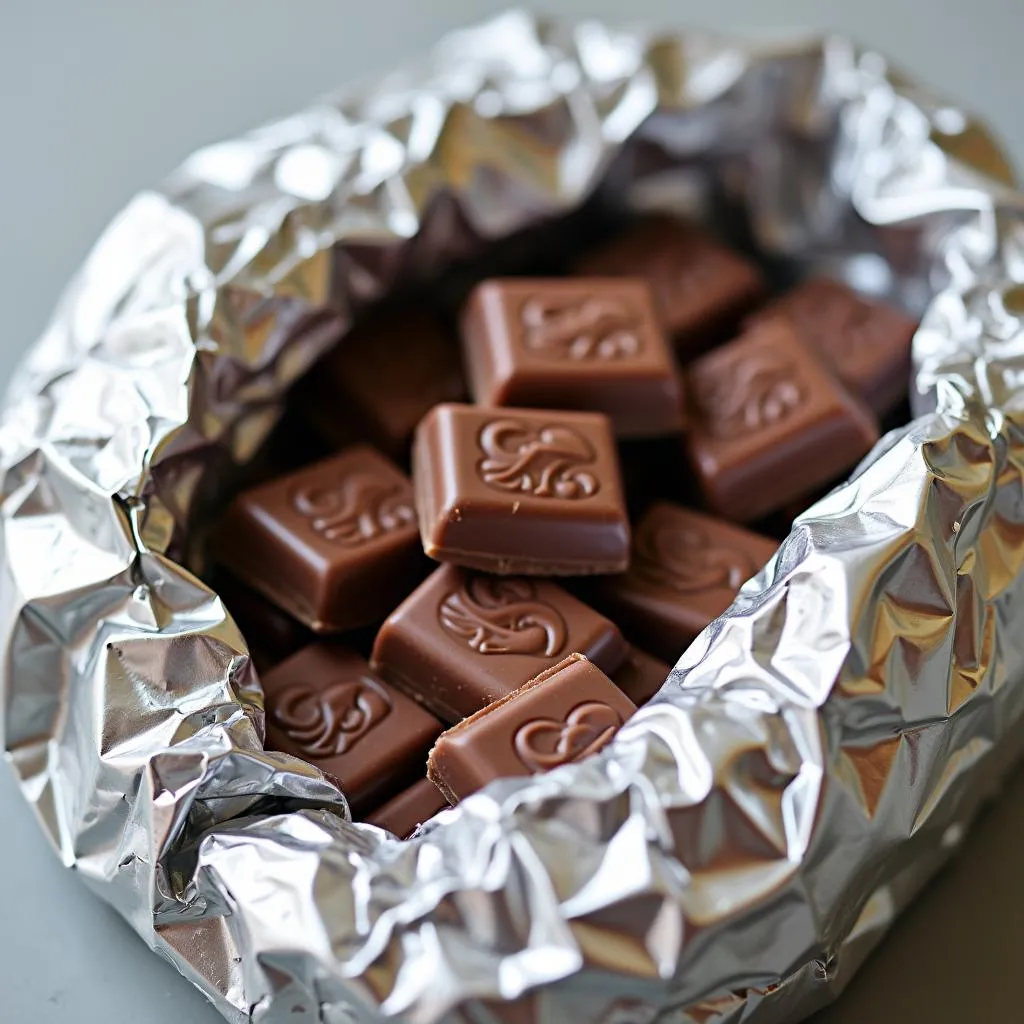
pixel 638 431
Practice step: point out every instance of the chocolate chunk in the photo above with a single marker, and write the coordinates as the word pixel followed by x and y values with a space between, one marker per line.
pixel 403 814
pixel 573 343
pixel 271 634
pixel 334 544
pixel 520 491
pixel 383 377
pixel 867 344
pixel 566 713
pixel 326 706
pixel 700 288
pixel 770 423
pixel 463 639
pixel 685 570
pixel 640 676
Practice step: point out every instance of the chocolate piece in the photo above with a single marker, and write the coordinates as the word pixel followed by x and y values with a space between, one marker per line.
pixel 383 377
pixel 334 544
pixel 271 634
pixel 403 814
pixel 326 706
pixel 520 491
pixel 770 423
pixel 685 570
pixel 463 639
pixel 573 343
pixel 700 288
pixel 866 344
pixel 640 676
pixel 564 714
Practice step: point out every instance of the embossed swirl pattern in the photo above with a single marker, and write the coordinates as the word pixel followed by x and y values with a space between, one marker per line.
pixel 591 329
pixel 545 462
pixel 327 722
pixel 745 395
pixel 503 616
pixel 358 508
pixel 685 559
pixel 547 743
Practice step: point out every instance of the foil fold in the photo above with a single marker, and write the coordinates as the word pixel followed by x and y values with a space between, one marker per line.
pixel 813 758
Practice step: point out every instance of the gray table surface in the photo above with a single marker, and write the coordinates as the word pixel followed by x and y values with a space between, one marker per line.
pixel 100 99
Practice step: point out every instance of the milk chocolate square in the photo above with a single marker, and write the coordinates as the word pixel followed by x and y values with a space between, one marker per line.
pixel 382 378
pixel 686 568
pixel 770 423
pixel 334 544
pixel 584 343
pixel 326 706
pixel 564 714
pixel 520 491
pixel 404 813
pixel 463 639
pixel 700 288
pixel 866 344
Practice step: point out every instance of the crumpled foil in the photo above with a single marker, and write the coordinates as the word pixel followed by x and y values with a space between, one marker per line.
pixel 813 758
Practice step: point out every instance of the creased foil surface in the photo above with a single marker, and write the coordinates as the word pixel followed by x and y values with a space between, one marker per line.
pixel 814 756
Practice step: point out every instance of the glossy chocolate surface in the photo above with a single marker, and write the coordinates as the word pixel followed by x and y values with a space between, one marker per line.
pixel 867 344
pixel 564 714
pixel 383 378
pixel 770 423
pixel 573 343
pixel 685 570
pixel 463 639
pixel 700 288
pixel 334 544
pixel 520 491
pixel 326 706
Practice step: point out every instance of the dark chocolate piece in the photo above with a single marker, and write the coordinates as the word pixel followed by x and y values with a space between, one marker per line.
pixel 685 570
pixel 566 713
pixel 463 639
pixel 573 343
pixel 700 288
pixel 640 676
pixel 520 491
pixel 326 706
pixel 404 813
pixel 334 544
pixel 383 378
pixel 770 423
pixel 867 344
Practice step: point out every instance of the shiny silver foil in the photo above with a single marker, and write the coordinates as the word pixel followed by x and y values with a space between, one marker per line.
pixel 814 757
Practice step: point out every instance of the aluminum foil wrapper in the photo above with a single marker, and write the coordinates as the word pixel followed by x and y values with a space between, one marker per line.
pixel 813 758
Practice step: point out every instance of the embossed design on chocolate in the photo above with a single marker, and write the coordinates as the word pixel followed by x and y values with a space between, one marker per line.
pixel 544 462
pixel 748 394
pixel 547 743
pixel 328 722
pixel 357 509
pixel 594 328
pixel 503 616
pixel 685 559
